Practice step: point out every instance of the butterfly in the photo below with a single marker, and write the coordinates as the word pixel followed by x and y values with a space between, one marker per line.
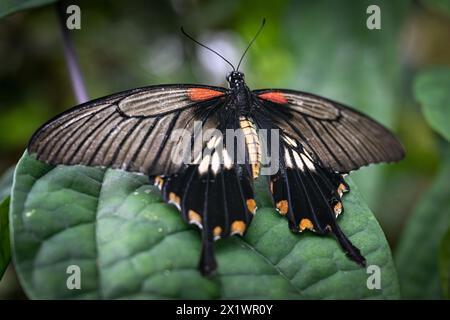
pixel 319 141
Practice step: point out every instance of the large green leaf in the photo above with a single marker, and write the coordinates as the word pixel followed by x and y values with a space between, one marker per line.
pixel 417 252
pixel 129 244
pixel 10 6
pixel 5 248
pixel 432 90
pixel 444 264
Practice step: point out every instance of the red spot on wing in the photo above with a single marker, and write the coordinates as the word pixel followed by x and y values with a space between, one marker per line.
pixel 276 97
pixel 203 94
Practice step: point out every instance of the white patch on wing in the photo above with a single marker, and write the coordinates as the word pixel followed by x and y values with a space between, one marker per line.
pixel 290 141
pixel 204 165
pixel 213 142
pixel 215 162
pixel 198 158
pixel 298 161
pixel 287 158
pixel 308 162
pixel 226 159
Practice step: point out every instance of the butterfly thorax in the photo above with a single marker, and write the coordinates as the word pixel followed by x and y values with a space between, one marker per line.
pixel 241 100
pixel 241 97
pixel 242 104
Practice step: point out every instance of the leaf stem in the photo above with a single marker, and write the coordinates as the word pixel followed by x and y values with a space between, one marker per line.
pixel 73 66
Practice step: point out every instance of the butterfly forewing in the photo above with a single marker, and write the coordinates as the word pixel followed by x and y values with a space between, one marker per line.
pixel 337 137
pixel 131 130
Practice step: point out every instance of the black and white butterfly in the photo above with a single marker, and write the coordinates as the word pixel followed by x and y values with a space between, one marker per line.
pixel 320 141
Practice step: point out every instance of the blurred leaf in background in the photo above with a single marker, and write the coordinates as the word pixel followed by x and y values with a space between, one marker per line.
pixel 432 90
pixel 444 264
pixel 5 251
pixel 417 253
pixel 441 6
pixel 6 182
pixel 5 190
pixel 418 250
pixel 11 6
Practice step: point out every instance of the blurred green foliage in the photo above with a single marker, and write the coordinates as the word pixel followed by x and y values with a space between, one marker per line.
pixel 432 89
pixel 422 255
pixel 440 6
pixel 11 6
pixel 417 253
pixel 317 46
pixel 444 264
pixel 5 247
pixel 6 182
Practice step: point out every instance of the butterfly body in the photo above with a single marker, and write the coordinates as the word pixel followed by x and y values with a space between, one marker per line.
pixel 318 142
pixel 241 97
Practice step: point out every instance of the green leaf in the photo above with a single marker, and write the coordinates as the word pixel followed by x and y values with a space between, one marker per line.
pixel 5 189
pixel 417 251
pixel 129 244
pixel 432 90
pixel 5 248
pixel 444 264
pixel 11 6
pixel 5 183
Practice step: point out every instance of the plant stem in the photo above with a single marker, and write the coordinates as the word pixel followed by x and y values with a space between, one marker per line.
pixel 73 67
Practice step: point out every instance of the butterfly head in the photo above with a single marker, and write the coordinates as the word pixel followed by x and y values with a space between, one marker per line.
pixel 235 79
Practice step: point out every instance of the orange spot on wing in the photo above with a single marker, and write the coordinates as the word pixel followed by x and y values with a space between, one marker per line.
pixel 276 97
pixel 283 207
pixel 306 224
pixel 202 94
pixel 251 205
pixel 238 227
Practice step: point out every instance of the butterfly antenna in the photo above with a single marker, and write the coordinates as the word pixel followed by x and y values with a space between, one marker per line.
pixel 206 47
pixel 251 42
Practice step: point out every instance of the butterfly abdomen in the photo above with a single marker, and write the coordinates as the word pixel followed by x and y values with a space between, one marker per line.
pixel 252 142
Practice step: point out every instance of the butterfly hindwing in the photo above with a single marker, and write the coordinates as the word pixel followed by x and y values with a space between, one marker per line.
pixel 309 195
pixel 215 194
